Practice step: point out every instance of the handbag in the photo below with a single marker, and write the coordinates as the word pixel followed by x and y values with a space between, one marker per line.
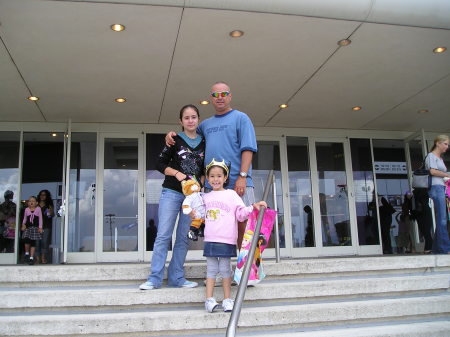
pixel 421 178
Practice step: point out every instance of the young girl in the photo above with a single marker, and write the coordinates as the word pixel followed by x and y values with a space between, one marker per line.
pixel 32 228
pixel 224 208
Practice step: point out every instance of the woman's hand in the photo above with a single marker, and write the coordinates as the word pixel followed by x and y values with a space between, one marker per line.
pixel 258 205
pixel 23 227
pixel 40 230
pixel 180 176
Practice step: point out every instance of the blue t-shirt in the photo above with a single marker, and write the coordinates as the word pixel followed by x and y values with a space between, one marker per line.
pixel 226 137
pixel 192 142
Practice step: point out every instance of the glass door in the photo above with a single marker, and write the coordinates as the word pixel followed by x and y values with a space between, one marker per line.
pixel 119 198
pixel 269 157
pixel 333 197
pixel 9 195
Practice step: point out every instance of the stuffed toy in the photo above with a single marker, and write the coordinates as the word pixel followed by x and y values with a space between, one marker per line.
pixel 194 202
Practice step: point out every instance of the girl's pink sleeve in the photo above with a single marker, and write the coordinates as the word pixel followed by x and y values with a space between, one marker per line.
pixel 242 212
pixel 25 215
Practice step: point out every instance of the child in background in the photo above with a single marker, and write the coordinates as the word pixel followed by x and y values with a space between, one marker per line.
pixel 224 208
pixel 32 228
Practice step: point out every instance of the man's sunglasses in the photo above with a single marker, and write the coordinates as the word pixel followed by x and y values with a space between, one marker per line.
pixel 218 94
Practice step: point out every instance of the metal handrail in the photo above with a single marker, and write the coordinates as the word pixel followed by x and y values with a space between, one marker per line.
pixel 232 324
pixel 277 231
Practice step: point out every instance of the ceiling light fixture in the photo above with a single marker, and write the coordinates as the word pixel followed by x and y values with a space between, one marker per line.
pixel 54 134
pixel 236 33
pixel 33 98
pixel 120 100
pixel 439 50
pixel 344 42
pixel 356 108
pixel 422 111
pixel 283 106
pixel 117 27
pixel 204 102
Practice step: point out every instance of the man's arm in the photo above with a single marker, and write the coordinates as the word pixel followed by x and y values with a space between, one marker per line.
pixel 241 182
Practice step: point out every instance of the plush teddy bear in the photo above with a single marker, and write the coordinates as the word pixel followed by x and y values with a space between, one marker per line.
pixel 194 202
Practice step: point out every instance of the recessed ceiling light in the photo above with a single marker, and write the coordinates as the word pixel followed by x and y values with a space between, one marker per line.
pixel 117 27
pixel 236 33
pixel 54 134
pixel 120 100
pixel 204 102
pixel 422 111
pixel 283 106
pixel 33 98
pixel 439 50
pixel 344 42
pixel 356 108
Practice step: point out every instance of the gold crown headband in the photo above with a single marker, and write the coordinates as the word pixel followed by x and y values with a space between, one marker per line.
pixel 218 163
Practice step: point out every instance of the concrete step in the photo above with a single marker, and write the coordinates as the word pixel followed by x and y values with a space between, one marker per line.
pixel 44 275
pixel 100 297
pixel 258 318
pixel 418 328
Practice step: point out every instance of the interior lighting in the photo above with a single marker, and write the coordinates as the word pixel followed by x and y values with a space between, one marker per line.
pixel 344 42
pixel 54 134
pixel 236 33
pixel 422 111
pixel 356 108
pixel 439 50
pixel 118 27
pixel 204 102
pixel 283 106
pixel 33 98
pixel 120 100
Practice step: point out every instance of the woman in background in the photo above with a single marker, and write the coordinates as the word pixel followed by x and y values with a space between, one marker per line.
pixel 438 171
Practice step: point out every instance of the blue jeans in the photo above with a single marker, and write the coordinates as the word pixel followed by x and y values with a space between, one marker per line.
pixel 441 242
pixel 169 207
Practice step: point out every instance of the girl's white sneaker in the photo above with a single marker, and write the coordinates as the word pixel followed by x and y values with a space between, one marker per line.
pixel 227 305
pixel 211 304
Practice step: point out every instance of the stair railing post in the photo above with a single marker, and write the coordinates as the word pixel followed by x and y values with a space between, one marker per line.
pixel 277 232
pixel 232 324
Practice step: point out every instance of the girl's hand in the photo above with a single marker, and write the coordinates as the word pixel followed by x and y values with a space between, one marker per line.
pixel 23 227
pixel 259 204
pixel 192 214
pixel 40 230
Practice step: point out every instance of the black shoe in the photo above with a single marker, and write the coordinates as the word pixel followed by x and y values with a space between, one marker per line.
pixel 31 261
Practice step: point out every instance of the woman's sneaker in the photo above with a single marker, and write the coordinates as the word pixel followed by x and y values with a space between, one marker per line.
pixel 147 286
pixel 189 284
pixel 227 305
pixel 211 304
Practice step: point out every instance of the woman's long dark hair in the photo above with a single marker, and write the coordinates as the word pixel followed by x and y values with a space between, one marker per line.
pixel 48 199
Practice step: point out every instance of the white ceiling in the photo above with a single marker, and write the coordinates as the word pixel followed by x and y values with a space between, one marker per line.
pixel 170 54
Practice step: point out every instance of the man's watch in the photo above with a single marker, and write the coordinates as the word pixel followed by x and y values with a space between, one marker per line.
pixel 243 174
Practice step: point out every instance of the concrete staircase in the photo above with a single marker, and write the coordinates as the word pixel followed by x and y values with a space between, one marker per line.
pixel 363 296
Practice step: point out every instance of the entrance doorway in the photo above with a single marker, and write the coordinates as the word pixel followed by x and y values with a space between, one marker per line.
pixel 120 198
pixel 332 185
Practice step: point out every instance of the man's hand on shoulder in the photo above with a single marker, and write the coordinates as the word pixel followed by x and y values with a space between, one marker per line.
pixel 169 138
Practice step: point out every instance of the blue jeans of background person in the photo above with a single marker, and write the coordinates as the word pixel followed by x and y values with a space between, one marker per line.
pixel 169 208
pixel 441 243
